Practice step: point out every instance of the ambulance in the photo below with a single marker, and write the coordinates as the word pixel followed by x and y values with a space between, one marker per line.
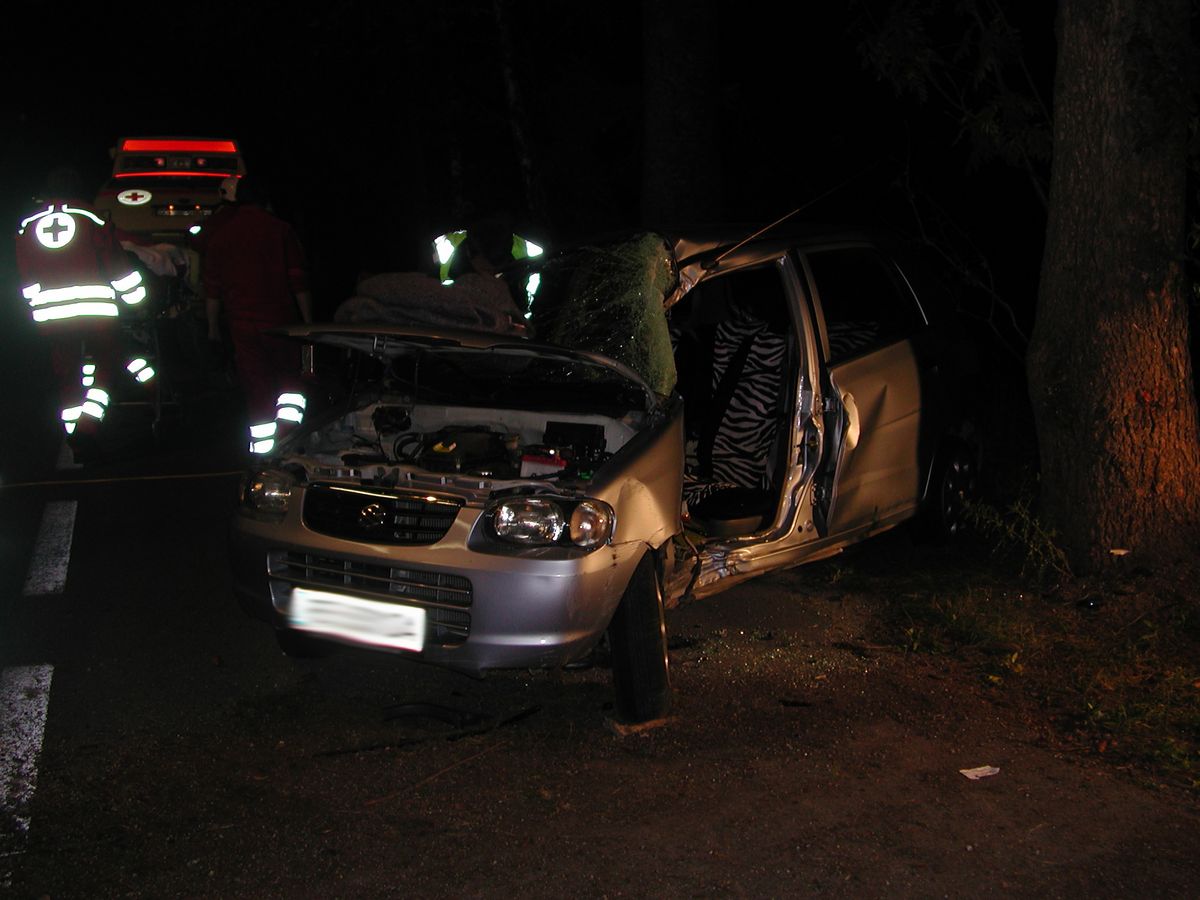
pixel 163 187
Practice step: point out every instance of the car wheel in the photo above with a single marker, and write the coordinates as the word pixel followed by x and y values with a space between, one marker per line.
pixel 951 490
pixel 299 645
pixel 637 637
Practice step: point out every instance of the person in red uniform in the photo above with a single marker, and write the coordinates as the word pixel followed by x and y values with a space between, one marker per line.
pixel 255 273
pixel 78 280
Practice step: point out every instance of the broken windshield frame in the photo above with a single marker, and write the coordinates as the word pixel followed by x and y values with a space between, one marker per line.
pixel 605 298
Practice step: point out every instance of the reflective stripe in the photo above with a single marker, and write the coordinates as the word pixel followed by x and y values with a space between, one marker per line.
pixel 140 369
pixel 25 222
pixel 71 413
pixel 88 380
pixel 37 297
pixel 95 410
pixel 70 426
pixel 89 369
pixel 71 310
pixel 135 296
pixel 264 430
pixel 523 249
pixel 67 209
pixel 289 414
pixel 292 400
pixel 132 280
pixel 97 394
pixel 262 446
pixel 446 244
pixel 83 212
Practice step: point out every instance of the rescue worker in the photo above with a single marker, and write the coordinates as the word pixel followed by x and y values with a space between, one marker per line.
pixel 78 283
pixel 482 249
pixel 488 239
pixel 254 272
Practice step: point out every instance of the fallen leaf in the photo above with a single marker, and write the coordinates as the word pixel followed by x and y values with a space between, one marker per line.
pixel 980 772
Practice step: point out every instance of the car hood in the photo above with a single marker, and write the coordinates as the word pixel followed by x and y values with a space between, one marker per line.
pixel 601 305
pixel 390 342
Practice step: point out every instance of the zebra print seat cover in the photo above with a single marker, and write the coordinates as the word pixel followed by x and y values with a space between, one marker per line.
pixel 745 434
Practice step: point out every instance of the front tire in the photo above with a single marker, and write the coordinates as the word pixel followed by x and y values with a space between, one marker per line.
pixel 637 636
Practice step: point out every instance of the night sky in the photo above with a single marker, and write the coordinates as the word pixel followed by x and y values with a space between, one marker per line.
pixel 377 127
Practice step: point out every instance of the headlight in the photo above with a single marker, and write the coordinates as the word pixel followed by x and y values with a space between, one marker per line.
pixel 591 524
pixel 266 493
pixel 545 521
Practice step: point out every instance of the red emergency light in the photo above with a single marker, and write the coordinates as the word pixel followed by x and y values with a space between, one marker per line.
pixel 159 173
pixel 142 145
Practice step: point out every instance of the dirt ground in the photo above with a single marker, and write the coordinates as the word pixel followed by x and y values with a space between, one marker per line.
pixel 803 758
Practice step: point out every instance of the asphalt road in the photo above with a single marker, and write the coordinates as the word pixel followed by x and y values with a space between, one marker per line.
pixel 157 744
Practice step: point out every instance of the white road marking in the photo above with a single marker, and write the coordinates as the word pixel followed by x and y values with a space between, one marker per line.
pixel 24 698
pixel 52 552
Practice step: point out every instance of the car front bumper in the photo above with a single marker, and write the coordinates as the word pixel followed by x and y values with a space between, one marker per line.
pixel 490 609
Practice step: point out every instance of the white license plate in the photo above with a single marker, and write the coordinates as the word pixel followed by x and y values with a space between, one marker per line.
pixel 356 619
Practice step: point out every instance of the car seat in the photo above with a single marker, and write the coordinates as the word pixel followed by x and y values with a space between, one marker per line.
pixel 728 478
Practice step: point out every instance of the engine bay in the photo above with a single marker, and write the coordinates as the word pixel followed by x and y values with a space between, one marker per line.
pixel 391 439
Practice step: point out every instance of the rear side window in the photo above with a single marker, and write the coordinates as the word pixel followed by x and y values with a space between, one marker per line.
pixel 864 303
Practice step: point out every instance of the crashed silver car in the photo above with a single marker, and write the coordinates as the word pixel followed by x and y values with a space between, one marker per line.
pixel 680 414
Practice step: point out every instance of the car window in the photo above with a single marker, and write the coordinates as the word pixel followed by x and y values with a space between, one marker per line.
pixel 864 304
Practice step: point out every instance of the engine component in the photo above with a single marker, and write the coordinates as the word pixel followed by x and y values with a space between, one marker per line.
pixel 391 419
pixel 475 451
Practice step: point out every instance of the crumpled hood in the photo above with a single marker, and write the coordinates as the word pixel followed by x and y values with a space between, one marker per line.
pixel 389 342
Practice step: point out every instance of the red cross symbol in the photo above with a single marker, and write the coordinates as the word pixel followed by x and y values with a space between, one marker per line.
pixel 56 231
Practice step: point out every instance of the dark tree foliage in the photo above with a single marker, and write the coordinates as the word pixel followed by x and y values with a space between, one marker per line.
pixel 975 175
pixel 969 60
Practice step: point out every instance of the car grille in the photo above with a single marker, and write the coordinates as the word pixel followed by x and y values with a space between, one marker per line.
pixel 446 597
pixel 378 517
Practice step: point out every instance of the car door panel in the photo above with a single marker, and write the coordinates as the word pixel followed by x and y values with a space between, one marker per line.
pixel 879 472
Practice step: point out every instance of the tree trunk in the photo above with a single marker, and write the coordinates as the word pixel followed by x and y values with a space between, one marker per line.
pixel 1109 365
pixel 681 165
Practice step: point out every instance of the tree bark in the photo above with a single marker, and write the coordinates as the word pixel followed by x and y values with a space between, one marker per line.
pixel 1109 366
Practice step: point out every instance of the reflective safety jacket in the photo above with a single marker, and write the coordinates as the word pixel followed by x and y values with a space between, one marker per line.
pixel 72 267
pixel 446 245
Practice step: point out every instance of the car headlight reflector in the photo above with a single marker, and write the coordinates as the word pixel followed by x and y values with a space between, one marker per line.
pixel 591 523
pixel 268 492
pixel 546 521
pixel 528 520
